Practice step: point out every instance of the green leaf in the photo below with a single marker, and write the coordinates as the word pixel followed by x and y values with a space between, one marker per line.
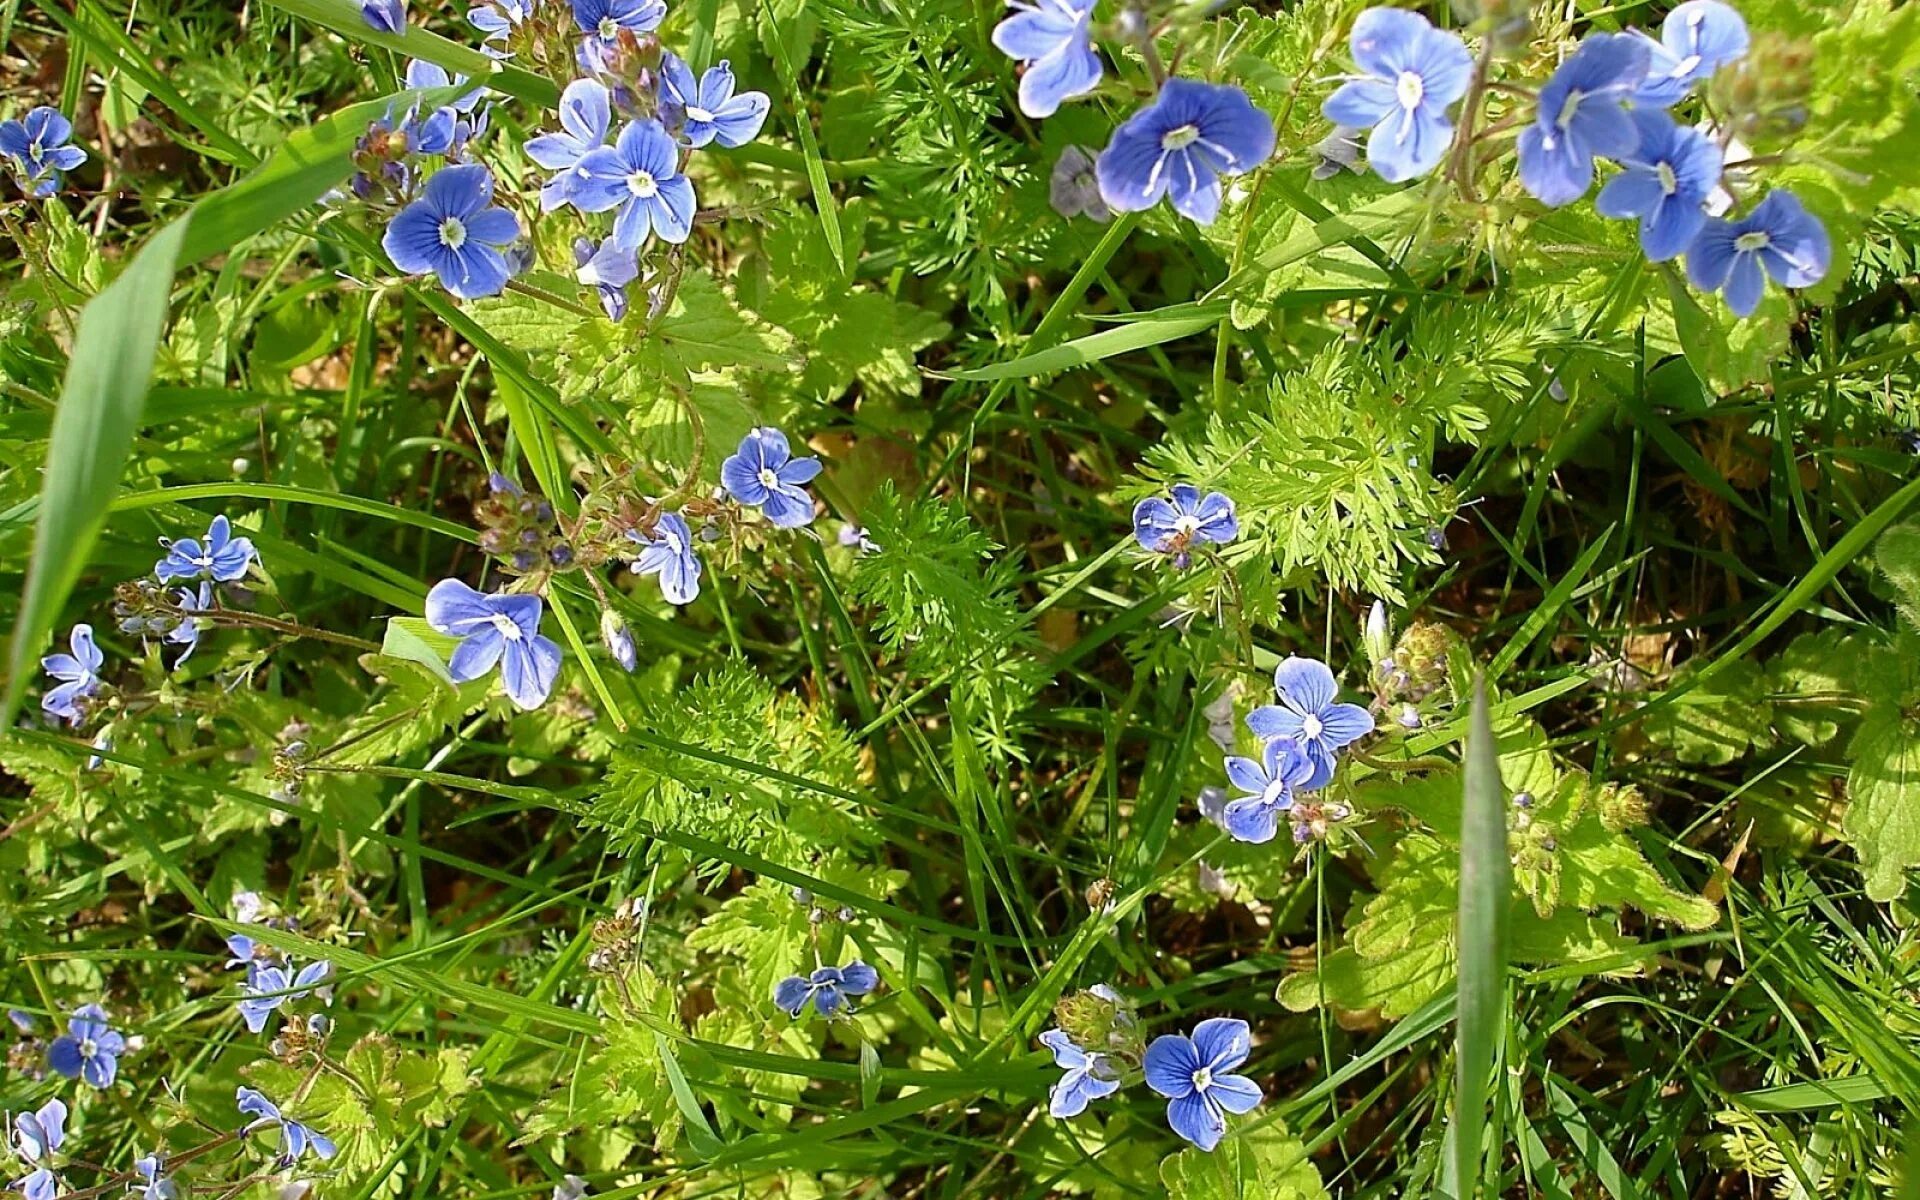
pixel 1882 821
pixel 413 640
pixel 1486 888
pixel 344 18
pixel 1149 329
pixel 1718 721
pixel 1266 1161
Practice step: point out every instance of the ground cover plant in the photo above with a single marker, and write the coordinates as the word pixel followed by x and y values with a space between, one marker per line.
pixel 940 599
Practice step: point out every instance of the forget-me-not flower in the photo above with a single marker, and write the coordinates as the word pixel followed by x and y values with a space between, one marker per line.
pixel 1697 38
pixel 455 232
pixel 763 474
pixel 1173 526
pixel 497 628
pixel 1665 182
pixel 36 1136
pixel 220 556
pixel 39 146
pixel 1051 40
pixel 155 1183
pixel 586 110
pixel 707 109
pixel 387 16
pixel 1583 114
pixel 1195 1075
pixel 1270 782
pixel 608 270
pixel 268 986
pixel 1779 239
pixel 90 1049
pixel 1410 73
pixel 669 554
pixel 1180 145
pixel 78 673
pixel 639 175
pixel 496 22
pixel 1311 713
pixel 295 1138
pixel 602 20
pixel 1087 1077
pixel 828 989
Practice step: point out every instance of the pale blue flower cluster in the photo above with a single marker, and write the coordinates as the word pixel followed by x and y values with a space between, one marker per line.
pixel 1302 735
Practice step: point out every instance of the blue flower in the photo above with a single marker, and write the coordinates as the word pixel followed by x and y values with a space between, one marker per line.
pixel 155 1184
pixel 454 232
pixel 586 110
pixel 1180 145
pixel 669 554
pixel 295 1139
pixel 497 21
pixel 707 110
pixel 1173 527
pixel 78 673
pixel 38 145
pixel 1087 1077
pixel 1697 39
pixel 222 557
pixel 36 1135
pixel 1310 713
pixel 447 129
pixel 387 16
pixel 1409 73
pixel 1194 1074
pixel 268 987
pixel 1779 239
pixel 90 1049
pixel 827 988
pixel 1270 784
pixel 244 951
pixel 496 628
pixel 640 176
pixel 602 20
pixel 187 632
pixel 763 475
pixel 1582 114
pixel 1050 38
pixel 619 640
pixel 1665 181
pixel 608 269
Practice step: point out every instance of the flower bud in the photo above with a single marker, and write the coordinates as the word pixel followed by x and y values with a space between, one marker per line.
pixel 1378 634
pixel 619 640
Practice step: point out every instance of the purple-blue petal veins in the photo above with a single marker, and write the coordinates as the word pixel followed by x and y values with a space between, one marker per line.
pixel 78 676
pixel 638 178
pixel 1195 1075
pixel 1174 525
pixel 1697 38
pixel 455 233
pixel 763 474
pixel 387 16
pixel 37 147
pixel 1050 39
pixel 668 552
pixel 706 110
pixel 1180 146
pixel 1582 115
pixel 496 629
pixel 1409 74
pixel 1663 183
pixel 1779 240
pixel 220 556
pixel 603 20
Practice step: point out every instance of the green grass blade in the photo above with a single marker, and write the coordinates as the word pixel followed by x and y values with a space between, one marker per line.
pixel 343 17
pixel 1485 894
pixel 1150 330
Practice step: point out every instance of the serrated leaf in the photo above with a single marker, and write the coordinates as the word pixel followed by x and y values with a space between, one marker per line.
pixel 1267 1162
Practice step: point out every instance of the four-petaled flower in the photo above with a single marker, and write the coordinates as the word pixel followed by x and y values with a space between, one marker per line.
pixel 1283 768
pixel 1050 38
pixel 496 21
pixel 602 20
pixel 639 175
pixel 1779 239
pixel 1311 713
pixel 1173 526
pixel 586 110
pixel 707 110
pixel 497 628
pixel 1087 1077
pixel 762 474
pixel 448 128
pixel 454 231
pixel 668 553
pixel 38 145
pixel 1179 146
pixel 387 16
pixel 90 1049
pixel 1664 183
pixel 1195 1075
pixel 36 1135
pixel 827 989
pixel 1697 38
pixel 155 1183
pixel 220 557
pixel 1582 114
pixel 1409 73
pixel 78 673
pixel 187 632
pixel 268 986
pixel 608 270
pixel 295 1138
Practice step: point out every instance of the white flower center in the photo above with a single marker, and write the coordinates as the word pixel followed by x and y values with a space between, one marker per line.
pixel 88 1047
pixel 1276 793
pixel 1569 107
pixel 1202 1079
pixel 453 233
pixel 1411 89
pixel 1180 138
pixel 643 184
pixel 609 28
pixel 1312 726
pixel 1747 243
pixel 695 113
pixel 767 478
pixel 1185 526
pixel 674 545
pixel 36 148
pixel 505 625
pixel 1669 182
